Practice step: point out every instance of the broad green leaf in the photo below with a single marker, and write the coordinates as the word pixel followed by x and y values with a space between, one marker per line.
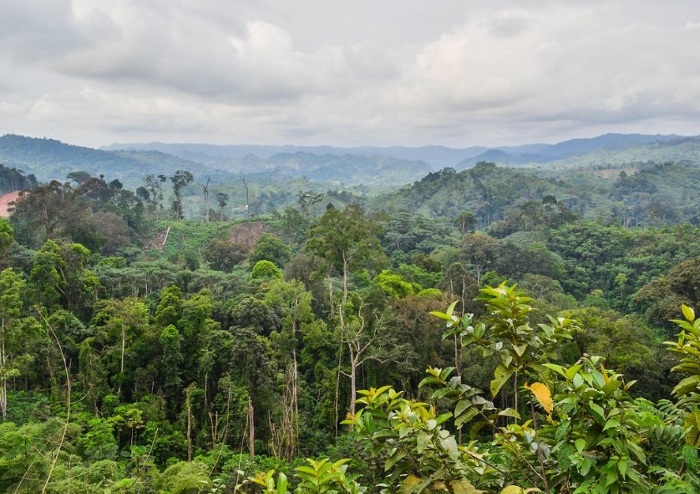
pixel 500 376
pixel 422 440
pixel 281 483
pixel 597 412
pixel 689 453
pixel 509 412
pixel 572 371
pixel 466 417
pixel 394 458
pixel 584 467
pixel 556 368
pixel 688 385
pixel 622 466
pixel 368 421
pixel 441 419
pixel 611 424
pixel 462 405
pixel 450 444
pixel 611 386
pixel 692 427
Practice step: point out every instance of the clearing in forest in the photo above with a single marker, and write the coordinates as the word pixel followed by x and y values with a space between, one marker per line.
pixel 5 200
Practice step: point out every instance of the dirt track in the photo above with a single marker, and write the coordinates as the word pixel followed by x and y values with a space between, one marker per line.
pixel 4 200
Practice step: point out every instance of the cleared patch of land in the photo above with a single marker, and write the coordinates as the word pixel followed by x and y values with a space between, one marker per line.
pixel 5 200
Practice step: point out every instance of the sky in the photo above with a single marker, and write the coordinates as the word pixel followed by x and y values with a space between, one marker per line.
pixel 324 72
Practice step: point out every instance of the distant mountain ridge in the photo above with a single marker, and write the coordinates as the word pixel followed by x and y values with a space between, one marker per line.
pixel 529 155
pixel 381 167
pixel 437 157
pixel 50 159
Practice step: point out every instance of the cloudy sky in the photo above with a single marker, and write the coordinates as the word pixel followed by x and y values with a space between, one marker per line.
pixel 344 73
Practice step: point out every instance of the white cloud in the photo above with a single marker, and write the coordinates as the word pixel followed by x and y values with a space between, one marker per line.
pixel 331 72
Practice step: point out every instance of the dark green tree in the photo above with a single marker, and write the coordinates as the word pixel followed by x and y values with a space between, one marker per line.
pixel 347 240
pixel 11 288
pixel 270 248
pixel 180 180
pixel 221 201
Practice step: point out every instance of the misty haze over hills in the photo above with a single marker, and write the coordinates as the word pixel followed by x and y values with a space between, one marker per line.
pixel 436 156
pixel 378 166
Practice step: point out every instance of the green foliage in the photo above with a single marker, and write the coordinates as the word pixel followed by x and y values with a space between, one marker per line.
pixel 266 270
pixel 180 180
pixel 506 333
pixel 603 449
pixel 663 295
pixel 12 179
pixel 410 439
pixel 688 346
pixel 6 235
pixel 346 240
pixel 167 359
pixel 184 478
pixel 270 248
pixel 395 285
pixel 223 255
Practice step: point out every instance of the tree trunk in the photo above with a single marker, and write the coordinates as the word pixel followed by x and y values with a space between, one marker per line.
pixel 205 188
pixel 247 200
pixel 353 382
pixel 3 376
pixel 121 365
pixel 251 429
pixel 346 271
pixel 189 426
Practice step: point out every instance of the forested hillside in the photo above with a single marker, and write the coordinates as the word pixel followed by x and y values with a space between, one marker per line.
pixel 492 330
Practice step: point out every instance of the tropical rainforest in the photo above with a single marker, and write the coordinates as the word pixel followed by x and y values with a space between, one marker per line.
pixel 474 329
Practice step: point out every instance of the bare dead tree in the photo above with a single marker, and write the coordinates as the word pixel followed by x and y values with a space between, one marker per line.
pixel 205 190
pixel 360 339
pixel 247 199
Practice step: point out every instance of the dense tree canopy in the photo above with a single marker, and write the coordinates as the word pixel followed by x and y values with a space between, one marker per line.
pixel 140 352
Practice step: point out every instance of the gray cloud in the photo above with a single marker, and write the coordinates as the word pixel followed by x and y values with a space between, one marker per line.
pixel 345 73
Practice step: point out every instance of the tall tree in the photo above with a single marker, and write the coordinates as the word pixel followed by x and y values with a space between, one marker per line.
pixel 6 236
pixel 347 240
pixel 221 200
pixel 180 180
pixel 293 302
pixel 11 285
pixel 119 325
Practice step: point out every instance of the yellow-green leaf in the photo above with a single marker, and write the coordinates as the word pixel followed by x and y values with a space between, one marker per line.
pixel 543 395
pixel 512 489
pixel 688 313
pixel 463 486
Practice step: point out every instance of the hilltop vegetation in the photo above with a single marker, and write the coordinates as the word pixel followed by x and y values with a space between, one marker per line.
pixel 160 339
